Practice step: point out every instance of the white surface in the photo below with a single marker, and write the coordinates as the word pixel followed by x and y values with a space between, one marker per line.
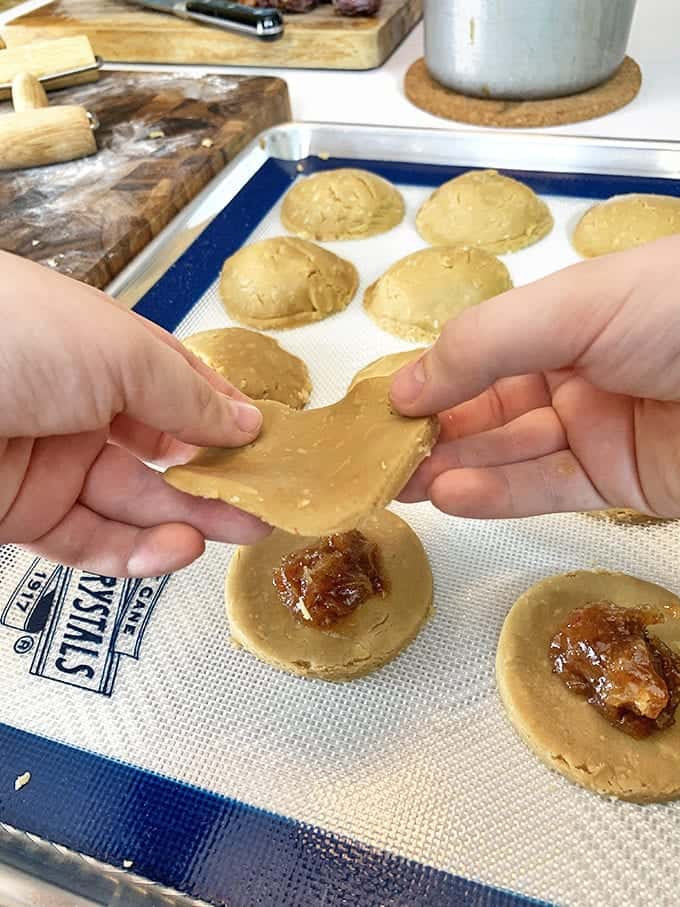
pixel 377 96
pixel 417 758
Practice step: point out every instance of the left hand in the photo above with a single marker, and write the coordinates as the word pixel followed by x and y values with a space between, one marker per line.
pixel 88 391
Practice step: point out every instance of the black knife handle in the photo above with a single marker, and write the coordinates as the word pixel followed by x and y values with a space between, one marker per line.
pixel 264 23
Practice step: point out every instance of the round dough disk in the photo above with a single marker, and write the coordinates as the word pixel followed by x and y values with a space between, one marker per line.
pixel 560 726
pixel 625 221
pixel 418 294
pixel 375 633
pixel 484 209
pixel 386 365
pixel 253 363
pixel 285 282
pixel 624 516
pixel 342 204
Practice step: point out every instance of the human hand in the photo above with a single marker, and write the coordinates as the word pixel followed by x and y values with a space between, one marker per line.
pixel 561 395
pixel 88 390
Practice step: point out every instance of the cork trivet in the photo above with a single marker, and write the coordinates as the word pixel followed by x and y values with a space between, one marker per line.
pixel 428 94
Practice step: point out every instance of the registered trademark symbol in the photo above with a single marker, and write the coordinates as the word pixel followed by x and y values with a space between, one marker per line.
pixel 23 644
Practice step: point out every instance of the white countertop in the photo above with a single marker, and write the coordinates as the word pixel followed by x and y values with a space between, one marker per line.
pixel 377 97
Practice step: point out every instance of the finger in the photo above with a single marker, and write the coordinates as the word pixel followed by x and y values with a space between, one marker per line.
pixel 119 487
pixel 219 382
pixel 111 361
pixel 216 380
pixel 15 455
pixel 49 483
pixel 529 437
pixel 552 484
pixel 501 403
pixel 149 444
pixel 162 390
pixel 89 541
pixel 542 326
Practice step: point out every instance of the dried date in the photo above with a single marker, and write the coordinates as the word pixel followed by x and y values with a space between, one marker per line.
pixel 356 7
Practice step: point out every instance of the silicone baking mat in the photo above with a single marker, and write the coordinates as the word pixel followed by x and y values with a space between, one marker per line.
pixel 150 740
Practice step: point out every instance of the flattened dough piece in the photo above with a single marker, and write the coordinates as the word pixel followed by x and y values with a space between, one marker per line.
pixel 386 366
pixel 253 363
pixel 625 516
pixel 316 471
pixel 285 282
pixel 562 729
pixel 419 293
pixel 341 204
pixel 484 209
pixel 624 221
pixel 375 633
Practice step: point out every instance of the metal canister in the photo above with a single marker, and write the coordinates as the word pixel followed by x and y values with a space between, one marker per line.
pixel 525 49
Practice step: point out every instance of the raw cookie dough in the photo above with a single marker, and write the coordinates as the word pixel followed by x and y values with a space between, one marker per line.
pixel 253 363
pixel 375 633
pixel 386 366
pixel 316 471
pixel 560 726
pixel 419 293
pixel 341 204
pixel 484 209
pixel 285 282
pixel 625 517
pixel 624 221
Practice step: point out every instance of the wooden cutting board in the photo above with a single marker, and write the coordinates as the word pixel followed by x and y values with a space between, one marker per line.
pixel 161 139
pixel 319 39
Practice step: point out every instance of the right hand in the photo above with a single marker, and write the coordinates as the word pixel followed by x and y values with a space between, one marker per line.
pixel 561 395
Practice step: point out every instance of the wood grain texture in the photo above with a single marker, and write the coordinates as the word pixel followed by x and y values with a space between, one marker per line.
pixel 32 138
pixel 318 39
pixel 161 139
pixel 43 58
pixel 27 93
pixel 6 5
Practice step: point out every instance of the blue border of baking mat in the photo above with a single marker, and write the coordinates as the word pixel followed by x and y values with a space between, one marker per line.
pixel 213 847
pixel 169 300
pixel 209 846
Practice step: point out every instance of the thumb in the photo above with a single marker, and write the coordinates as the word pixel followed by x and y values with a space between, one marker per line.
pixel 163 391
pixel 543 326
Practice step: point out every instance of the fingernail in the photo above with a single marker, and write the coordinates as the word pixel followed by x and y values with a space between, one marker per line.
pixel 248 418
pixel 408 384
pixel 139 564
pixel 144 559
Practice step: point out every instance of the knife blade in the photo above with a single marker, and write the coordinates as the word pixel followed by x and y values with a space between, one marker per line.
pixel 265 24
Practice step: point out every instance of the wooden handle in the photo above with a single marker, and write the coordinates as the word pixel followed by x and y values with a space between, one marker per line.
pixel 27 93
pixel 43 58
pixel 46 136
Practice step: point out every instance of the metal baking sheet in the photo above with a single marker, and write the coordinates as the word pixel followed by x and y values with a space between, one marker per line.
pixel 211 773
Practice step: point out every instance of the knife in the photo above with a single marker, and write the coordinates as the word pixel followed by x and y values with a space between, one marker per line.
pixel 266 24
